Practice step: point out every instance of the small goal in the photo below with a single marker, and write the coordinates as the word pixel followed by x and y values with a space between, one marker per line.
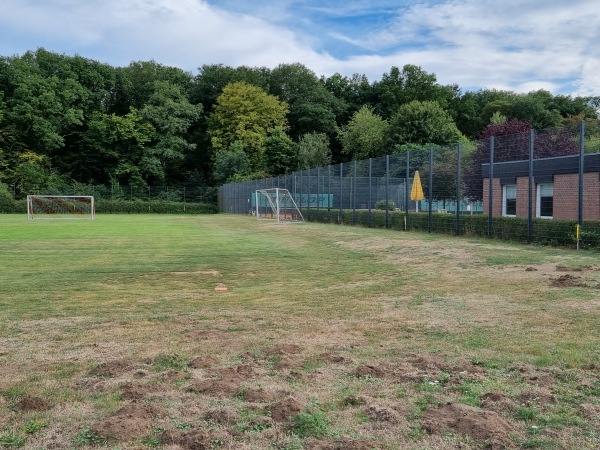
pixel 276 204
pixel 60 207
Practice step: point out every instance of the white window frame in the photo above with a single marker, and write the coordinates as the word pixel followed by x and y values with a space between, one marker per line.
pixel 538 200
pixel 505 198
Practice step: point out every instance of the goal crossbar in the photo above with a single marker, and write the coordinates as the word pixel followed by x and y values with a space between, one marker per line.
pixel 71 207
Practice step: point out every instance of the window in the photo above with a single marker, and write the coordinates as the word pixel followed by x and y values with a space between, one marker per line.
pixel 509 205
pixel 545 200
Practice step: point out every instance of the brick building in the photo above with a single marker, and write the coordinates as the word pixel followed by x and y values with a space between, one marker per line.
pixel 555 191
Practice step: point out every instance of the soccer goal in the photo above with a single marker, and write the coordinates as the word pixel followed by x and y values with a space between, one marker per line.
pixel 276 204
pixel 60 207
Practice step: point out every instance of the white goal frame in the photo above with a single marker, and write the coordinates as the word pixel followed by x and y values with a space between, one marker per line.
pixel 70 207
pixel 276 204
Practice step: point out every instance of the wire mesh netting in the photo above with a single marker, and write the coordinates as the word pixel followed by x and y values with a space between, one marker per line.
pixel 536 175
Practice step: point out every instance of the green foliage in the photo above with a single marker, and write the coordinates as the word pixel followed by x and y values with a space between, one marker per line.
pixel 88 437
pixel 163 362
pixel 365 135
pixel 311 423
pixel 390 205
pixel 120 206
pixel 280 153
pixel 7 203
pixel 558 233
pixel 11 440
pixel 423 122
pixel 231 164
pixel 313 151
pixel 171 115
pixel 33 426
pixel 67 118
pixel 312 108
pixel 248 114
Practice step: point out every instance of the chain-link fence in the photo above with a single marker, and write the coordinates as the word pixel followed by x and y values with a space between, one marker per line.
pixel 536 175
pixel 185 193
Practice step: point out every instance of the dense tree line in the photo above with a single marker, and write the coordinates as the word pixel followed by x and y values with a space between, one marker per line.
pixel 68 119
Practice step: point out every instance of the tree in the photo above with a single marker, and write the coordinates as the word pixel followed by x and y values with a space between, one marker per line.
pixel 353 92
pixel 312 108
pixel 231 164
pixel 280 153
pixel 135 84
pixel 212 79
pixel 114 148
pixel 536 108
pixel 248 114
pixel 423 122
pixel 313 151
pixel 412 83
pixel 171 115
pixel 511 143
pixel 365 135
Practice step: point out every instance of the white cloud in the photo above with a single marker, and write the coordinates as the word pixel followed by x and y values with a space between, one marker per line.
pixel 517 44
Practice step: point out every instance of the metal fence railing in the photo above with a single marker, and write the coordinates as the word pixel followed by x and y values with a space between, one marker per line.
pixel 535 176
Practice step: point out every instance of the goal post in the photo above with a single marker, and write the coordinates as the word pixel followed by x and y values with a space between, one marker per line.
pixel 61 207
pixel 276 204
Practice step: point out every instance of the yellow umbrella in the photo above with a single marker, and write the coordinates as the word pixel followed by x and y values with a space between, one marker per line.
pixel 416 193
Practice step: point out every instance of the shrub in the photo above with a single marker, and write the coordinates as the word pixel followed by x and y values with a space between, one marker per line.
pixel 120 206
pixel 7 203
pixel 381 204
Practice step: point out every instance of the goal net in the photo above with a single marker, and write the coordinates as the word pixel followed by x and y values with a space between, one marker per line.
pixel 60 207
pixel 276 204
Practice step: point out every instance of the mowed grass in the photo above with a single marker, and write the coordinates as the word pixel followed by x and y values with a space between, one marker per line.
pixel 370 332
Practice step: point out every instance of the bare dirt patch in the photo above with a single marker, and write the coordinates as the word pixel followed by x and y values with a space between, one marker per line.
pixel 32 403
pixel 285 410
pixel 112 368
pixel 131 422
pixel 469 421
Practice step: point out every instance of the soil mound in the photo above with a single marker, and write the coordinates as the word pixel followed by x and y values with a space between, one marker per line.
pixel 462 419
pixel 285 410
pixel 133 421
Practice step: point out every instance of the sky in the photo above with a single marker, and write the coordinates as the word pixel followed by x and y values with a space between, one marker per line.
pixel 516 45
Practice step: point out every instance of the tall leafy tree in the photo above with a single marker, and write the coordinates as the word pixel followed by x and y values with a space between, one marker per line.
pixel 312 108
pixel 280 153
pixel 248 114
pixel 115 146
pixel 399 87
pixel 365 135
pixel 313 151
pixel 423 123
pixel 232 164
pixel 135 84
pixel 171 115
pixel 354 92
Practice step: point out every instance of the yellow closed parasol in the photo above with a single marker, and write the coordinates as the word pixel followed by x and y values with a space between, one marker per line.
pixel 416 192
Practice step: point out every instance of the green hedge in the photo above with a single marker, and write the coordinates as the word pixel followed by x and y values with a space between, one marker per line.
pixel 107 206
pixel 553 232
pixel 10 206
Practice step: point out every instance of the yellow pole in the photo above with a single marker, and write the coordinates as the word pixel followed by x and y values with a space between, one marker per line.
pixel 577 235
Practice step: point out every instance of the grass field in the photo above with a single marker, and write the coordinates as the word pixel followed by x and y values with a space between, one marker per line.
pixel 112 335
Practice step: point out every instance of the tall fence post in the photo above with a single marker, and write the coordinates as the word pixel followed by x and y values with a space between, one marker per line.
pixel 581 168
pixel 329 203
pixel 530 188
pixel 318 194
pixel 406 196
pixel 308 194
pixel 430 218
pixel 387 191
pixel 491 190
pixel 354 195
pixel 458 187
pixel 341 190
pixel 370 189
